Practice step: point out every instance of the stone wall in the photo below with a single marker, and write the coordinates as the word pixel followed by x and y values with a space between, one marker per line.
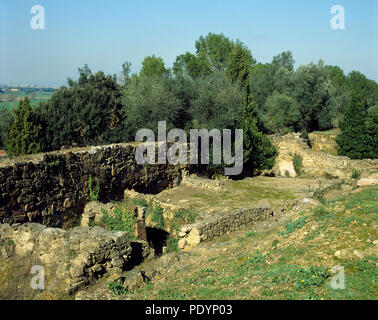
pixel 314 163
pixel 325 141
pixel 52 188
pixel 71 259
pixel 218 224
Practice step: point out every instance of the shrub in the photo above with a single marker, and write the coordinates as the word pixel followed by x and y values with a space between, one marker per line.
pixel 116 288
pixel 297 224
pixel 185 216
pixel 94 192
pixel 297 163
pixel 172 244
pixel 157 216
pixel 121 219
pixel 356 174
pixel 320 213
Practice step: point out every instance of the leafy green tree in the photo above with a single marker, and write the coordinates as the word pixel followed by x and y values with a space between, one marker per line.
pixel 147 100
pixel 125 74
pixel 261 83
pixel 336 75
pixel 362 88
pixel 153 66
pixel 6 120
pixel 190 65
pixel 277 76
pixel 24 134
pixel 87 112
pixel 280 114
pixel 215 50
pixel 313 93
pixel 217 103
pixel 211 56
pixel 283 60
pixel 354 140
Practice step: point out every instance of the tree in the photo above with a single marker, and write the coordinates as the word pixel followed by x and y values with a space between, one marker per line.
pixel 336 75
pixel 24 134
pixel 87 112
pixel 363 89
pixel 283 60
pixel 372 130
pixel 280 114
pixel 217 103
pixel 6 120
pixel 211 56
pixel 153 66
pixel 354 140
pixel 240 63
pixel 258 151
pixel 147 100
pixel 125 75
pixel 261 84
pixel 215 50
pixel 190 65
pixel 312 90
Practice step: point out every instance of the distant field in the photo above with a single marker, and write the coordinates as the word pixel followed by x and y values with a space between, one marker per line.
pixel 9 100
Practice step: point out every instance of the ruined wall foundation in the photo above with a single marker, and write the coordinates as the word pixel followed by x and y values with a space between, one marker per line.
pixel 52 189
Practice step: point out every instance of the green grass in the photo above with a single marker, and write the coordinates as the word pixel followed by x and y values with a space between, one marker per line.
pixel 116 288
pixel 39 97
pixel 121 219
pixel 297 224
pixel 265 265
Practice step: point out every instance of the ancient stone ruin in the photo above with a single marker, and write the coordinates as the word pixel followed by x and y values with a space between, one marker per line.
pixel 52 189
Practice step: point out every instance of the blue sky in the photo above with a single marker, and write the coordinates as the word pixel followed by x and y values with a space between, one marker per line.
pixel 104 34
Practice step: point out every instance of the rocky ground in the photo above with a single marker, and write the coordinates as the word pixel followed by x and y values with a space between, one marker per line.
pixel 292 257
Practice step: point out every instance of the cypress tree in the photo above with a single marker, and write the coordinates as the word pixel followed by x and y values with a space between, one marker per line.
pixel 24 134
pixel 259 153
pixel 354 138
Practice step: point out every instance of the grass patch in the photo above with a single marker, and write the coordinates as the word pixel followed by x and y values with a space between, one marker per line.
pixel 297 163
pixel 356 174
pixel 121 219
pixel 297 224
pixel 116 288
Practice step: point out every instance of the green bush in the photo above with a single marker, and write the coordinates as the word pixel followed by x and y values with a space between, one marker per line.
pixel 185 216
pixel 157 216
pixel 172 244
pixel 356 174
pixel 121 219
pixel 297 163
pixel 297 224
pixel 116 288
pixel 94 192
pixel 320 213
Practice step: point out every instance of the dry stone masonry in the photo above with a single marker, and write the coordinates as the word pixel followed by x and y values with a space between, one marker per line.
pixel 315 163
pixel 71 259
pixel 218 224
pixel 52 188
